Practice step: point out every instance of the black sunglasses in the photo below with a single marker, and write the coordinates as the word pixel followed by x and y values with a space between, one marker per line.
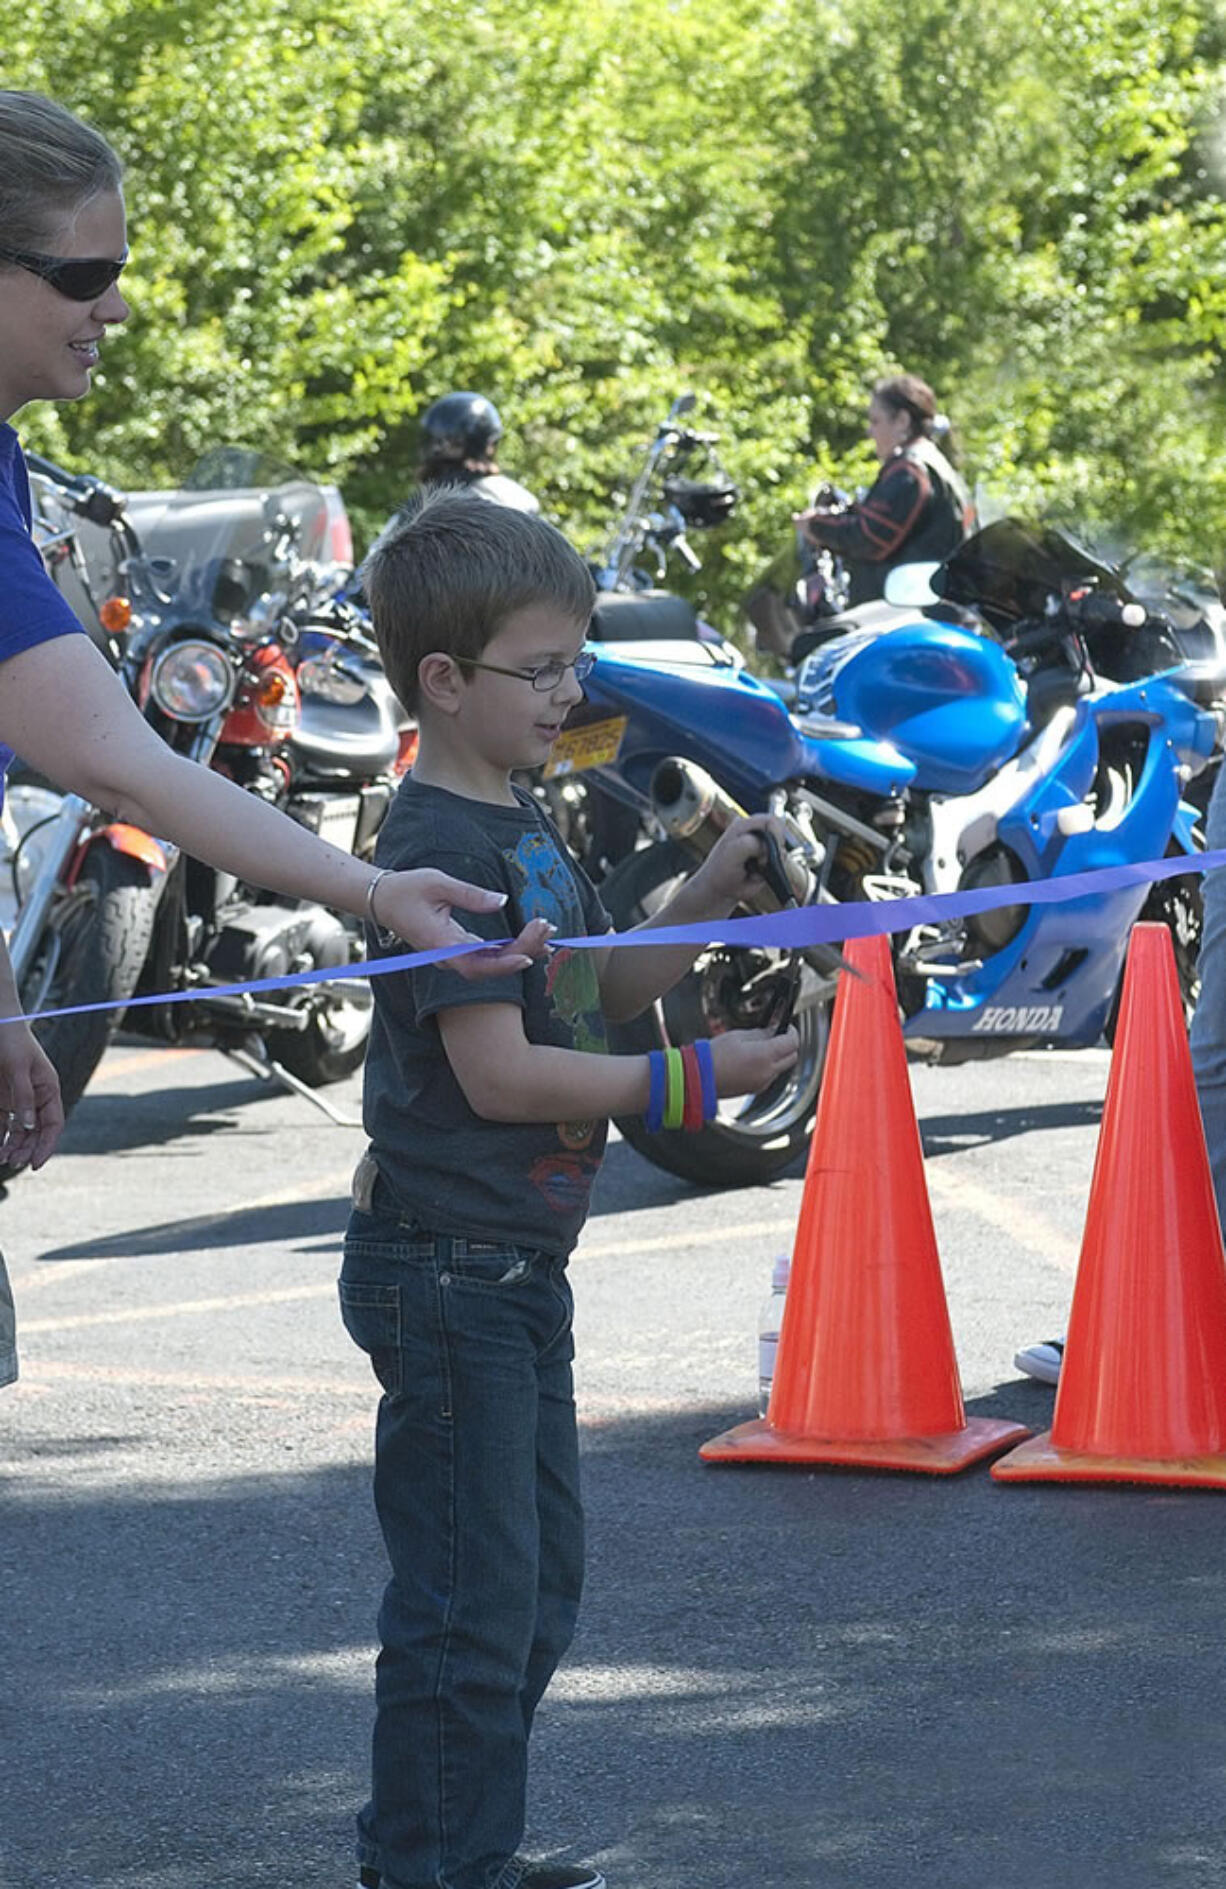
pixel 80 278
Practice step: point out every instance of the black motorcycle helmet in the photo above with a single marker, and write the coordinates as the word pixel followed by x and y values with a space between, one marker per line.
pixel 459 427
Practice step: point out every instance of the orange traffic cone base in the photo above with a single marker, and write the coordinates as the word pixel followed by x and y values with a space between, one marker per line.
pixel 942 1455
pixel 1041 1460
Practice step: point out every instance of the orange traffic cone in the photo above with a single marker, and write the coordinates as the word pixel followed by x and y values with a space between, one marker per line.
pixel 865 1372
pixel 1142 1393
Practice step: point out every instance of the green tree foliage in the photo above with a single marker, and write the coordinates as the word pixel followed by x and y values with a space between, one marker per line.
pixel 341 208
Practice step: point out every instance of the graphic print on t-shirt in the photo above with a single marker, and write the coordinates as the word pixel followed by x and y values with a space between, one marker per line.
pixel 573 988
pixel 548 891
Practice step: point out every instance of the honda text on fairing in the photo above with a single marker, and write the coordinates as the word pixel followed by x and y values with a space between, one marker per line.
pixel 217 601
pixel 926 759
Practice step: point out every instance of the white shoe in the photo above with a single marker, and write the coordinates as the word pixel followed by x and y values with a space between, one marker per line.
pixel 1042 1361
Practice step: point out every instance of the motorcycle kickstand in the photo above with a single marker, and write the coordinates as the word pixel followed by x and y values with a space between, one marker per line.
pixel 267 1069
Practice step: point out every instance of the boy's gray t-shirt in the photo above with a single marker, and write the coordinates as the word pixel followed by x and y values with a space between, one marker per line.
pixel 450 1170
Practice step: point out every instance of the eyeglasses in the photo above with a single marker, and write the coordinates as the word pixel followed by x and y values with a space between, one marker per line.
pixel 545 678
pixel 80 278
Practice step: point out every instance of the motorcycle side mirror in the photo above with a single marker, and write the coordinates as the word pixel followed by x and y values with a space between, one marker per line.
pixel 910 585
pixel 684 403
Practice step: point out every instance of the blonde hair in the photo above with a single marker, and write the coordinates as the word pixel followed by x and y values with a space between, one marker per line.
pixel 51 164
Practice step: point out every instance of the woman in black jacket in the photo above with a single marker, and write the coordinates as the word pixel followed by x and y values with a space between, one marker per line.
pixel 917 510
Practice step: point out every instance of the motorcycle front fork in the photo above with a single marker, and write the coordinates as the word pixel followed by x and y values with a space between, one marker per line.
pixel 59 847
pixel 68 830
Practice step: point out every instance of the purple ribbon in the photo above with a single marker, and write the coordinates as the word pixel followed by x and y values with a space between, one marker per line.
pixel 779 931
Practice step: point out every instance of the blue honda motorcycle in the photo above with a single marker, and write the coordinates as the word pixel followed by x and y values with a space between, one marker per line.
pixel 931 758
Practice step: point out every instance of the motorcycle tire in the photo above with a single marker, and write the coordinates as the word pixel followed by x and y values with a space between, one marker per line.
pixel 331 1047
pixel 1178 904
pixel 754 1138
pixel 92 950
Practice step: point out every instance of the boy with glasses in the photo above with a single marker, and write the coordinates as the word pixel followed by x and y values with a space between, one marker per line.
pixel 487 1115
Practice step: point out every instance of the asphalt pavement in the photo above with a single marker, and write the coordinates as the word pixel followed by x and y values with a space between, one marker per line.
pixel 783 1679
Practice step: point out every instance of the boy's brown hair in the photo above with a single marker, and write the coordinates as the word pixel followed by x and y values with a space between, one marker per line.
pixel 447 577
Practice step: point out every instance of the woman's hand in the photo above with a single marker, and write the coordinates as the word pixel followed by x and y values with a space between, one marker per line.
pixel 31 1112
pixel 417 906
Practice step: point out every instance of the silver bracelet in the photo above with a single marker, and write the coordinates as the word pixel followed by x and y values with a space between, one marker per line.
pixel 383 873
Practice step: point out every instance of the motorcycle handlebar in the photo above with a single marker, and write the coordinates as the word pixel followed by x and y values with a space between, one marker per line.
pixel 1098 608
pixel 1081 610
pixel 90 498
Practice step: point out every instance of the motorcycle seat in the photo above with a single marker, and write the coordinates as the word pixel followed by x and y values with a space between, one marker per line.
pixel 638 616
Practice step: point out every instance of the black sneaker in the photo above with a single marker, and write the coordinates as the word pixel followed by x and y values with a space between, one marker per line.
pixel 535 1876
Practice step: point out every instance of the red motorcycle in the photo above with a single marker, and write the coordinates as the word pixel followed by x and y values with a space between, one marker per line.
pixel 225 585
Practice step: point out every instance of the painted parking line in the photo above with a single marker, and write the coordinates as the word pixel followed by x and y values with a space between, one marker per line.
pixel 1026 1228
pixel 318 1289
pixel 48 1377
pixel 179 1308
pixel 1032 1231
pixel 39 1373
pixel 121 1063
pixel 334 1185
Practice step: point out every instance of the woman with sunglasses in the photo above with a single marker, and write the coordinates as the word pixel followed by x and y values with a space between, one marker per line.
pixel 63 246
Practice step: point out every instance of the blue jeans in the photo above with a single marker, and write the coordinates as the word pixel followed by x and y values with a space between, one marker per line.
pixel 1208 1032
pixel 477 1492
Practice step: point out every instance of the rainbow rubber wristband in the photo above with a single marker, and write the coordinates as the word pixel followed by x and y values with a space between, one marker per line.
pixel 656 1079
pixel 674 1100
pixel 706 1070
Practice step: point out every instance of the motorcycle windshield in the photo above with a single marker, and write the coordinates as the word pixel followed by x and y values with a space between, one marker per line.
pixel 1010 569
pixel 238 469
pixel 1184 593
pixel 230 556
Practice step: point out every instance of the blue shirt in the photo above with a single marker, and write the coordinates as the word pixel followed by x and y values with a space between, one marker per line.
pixel 31 608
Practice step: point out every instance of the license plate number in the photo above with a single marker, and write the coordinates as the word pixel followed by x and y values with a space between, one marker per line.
pixel 594 745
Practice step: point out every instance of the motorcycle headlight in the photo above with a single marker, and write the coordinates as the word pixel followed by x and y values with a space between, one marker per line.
pixel 192 681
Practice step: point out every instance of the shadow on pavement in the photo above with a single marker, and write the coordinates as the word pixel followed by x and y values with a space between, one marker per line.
pixel 953 1134
pixel 107 1123
pixel 285 1224
pixel 626 1182
pixel 784 1679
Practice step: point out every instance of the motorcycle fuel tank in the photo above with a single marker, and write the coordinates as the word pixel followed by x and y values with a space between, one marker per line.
pixel 681 699
pixel 950 701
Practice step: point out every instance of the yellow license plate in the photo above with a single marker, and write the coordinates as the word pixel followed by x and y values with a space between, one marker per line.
pixel 594 745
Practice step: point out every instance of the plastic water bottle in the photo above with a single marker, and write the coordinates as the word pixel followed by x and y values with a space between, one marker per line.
pixel 768 1329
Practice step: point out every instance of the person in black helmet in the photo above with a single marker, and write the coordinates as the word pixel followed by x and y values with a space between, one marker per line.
pixel 460 435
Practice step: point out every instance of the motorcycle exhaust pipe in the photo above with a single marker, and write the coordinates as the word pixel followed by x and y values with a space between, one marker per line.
pixel 695 810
